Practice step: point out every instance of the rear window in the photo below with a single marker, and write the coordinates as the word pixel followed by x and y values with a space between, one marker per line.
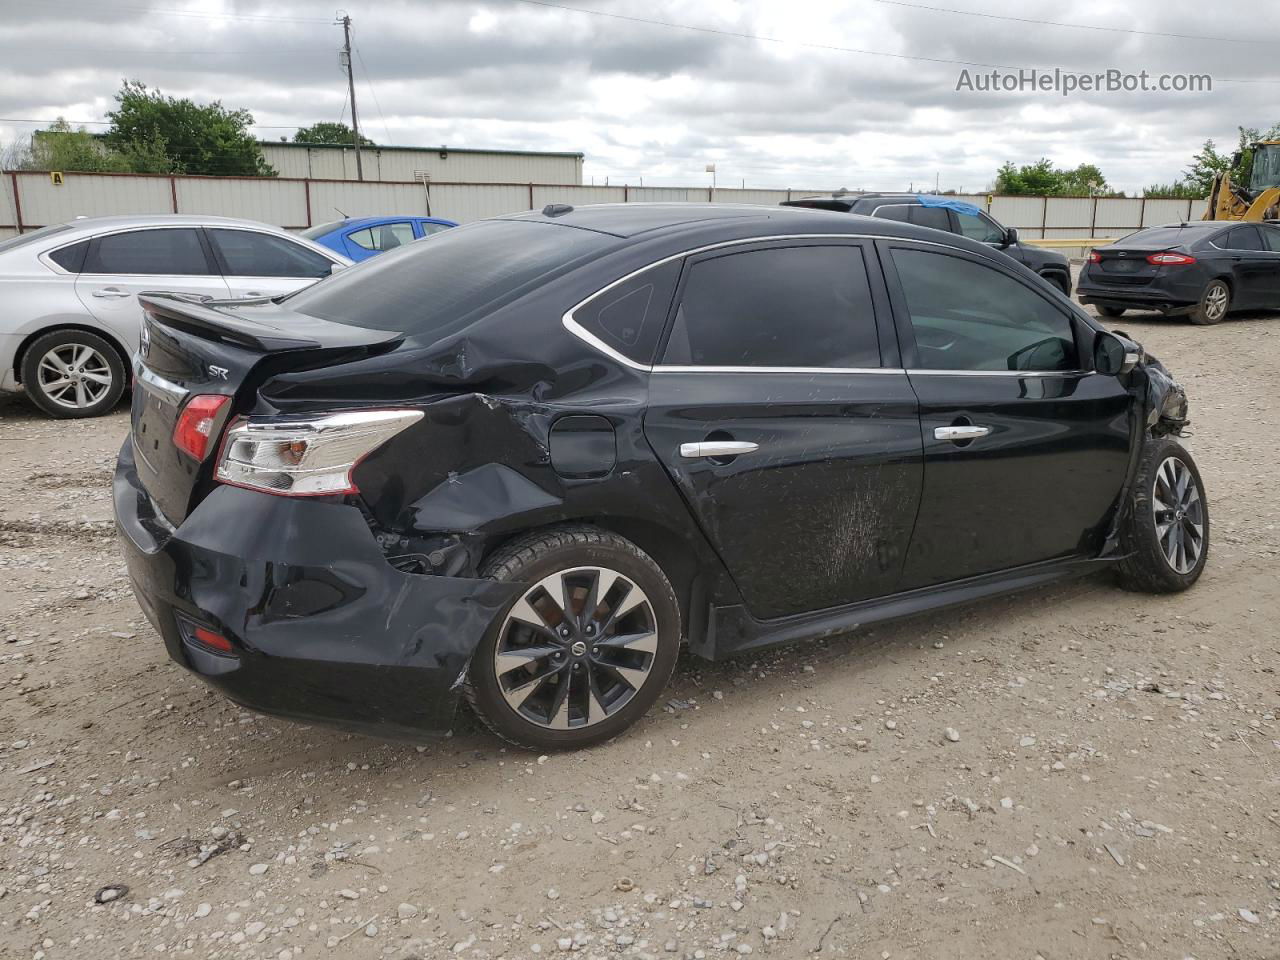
pixel 428 288
pixel 1167 236
pixel 320 229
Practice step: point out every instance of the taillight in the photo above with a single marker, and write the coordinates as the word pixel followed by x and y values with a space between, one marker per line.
pixel 1170 259
pixel 306 457
pixel 196 422
pixel 1095 256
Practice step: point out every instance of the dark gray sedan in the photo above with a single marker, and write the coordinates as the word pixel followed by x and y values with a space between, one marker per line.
pixel 1201 269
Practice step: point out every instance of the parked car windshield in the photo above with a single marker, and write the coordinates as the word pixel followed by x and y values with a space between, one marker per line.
pixel 423 288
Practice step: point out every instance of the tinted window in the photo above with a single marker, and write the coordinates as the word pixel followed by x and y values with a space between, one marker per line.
pixel 630 317
pixel 935 217
pixel 1242 238
pixel 248 254
pixel 782 307
pixel 1271 236
pixel 387 236
pixel 897 211
pixel 967 316
pixel 175 253
pixel 979 228
pixel 320 229
pixel 71 258
pixel 433 287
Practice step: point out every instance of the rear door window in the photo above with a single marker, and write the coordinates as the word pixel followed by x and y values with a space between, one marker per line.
pixel 968 316
pixel 172 252
pixel 245 253
pixel 802 306
pixel 385 236
pixel 1243 238
pixel 937 218
pixel 629 316
pixel 1271 237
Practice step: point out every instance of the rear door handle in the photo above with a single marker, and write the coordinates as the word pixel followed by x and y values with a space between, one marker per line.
pixel 110 293
pixel 717 448
pixel 957 433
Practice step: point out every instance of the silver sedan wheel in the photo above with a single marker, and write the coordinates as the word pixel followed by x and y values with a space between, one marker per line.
pixel 1215 303
pixel 75 376
pixel 1178 511
pixel 576 648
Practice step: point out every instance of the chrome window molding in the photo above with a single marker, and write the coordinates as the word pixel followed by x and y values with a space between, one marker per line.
pixel 577 330
pixel 144 374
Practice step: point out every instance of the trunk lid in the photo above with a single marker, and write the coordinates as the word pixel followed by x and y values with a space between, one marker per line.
pixel 191 347
pixel 1128 265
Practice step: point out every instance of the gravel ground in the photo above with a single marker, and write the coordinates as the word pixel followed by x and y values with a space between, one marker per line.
pixel 1112 788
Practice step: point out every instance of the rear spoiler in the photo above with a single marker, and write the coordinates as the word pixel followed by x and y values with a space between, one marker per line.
pixel 266 327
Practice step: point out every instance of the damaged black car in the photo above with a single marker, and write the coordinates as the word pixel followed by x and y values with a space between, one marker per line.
pixel 519 466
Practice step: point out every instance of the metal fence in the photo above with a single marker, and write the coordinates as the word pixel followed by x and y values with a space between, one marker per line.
pixel 30 200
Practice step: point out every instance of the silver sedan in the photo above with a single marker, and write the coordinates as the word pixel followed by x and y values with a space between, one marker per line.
pixel 71 318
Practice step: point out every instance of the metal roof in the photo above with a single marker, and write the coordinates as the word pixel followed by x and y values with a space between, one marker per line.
pixel 422 149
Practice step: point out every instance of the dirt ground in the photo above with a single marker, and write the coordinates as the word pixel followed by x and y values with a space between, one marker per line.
pixel 1114 791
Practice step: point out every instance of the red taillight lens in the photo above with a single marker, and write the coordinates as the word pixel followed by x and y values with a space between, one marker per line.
pixel 1170 259
pixel 196 421
pixel 1095 256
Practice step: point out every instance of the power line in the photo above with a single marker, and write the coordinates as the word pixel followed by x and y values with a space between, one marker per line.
pixel 1061 23
pixel 757 36
pixel 107 123
pixel 826 46
pixel 373 93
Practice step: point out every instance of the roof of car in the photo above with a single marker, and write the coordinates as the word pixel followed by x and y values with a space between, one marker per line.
pixel 92 225
pixel 357 222
pixel 634 219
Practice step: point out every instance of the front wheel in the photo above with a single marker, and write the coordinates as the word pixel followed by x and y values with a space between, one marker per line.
pixel 1213 305
pixel 1166 534
pixel 584 650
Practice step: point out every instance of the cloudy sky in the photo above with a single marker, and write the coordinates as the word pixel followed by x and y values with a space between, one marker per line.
pixel 853 93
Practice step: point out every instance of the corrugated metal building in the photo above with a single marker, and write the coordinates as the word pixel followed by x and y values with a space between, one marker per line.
pixel 441 164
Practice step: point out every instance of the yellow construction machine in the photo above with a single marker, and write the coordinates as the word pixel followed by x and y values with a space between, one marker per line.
pixel 1257 200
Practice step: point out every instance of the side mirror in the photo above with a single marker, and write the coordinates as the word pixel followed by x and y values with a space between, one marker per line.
pixel 1114 355
pixel 1010 236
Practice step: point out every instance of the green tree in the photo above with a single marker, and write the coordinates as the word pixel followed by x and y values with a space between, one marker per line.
pixel 1042 178
pixel 1178 190
pixel 1205 165
pixel 196 138
pixel 61 147
pixel 327 132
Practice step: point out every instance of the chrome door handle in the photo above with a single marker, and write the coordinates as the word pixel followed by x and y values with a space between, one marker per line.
pixel 717 448
pixel 110 293
pixel 960 433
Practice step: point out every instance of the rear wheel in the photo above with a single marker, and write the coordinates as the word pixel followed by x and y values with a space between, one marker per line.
pixel 1110 312
pixel 585 650
pixel 1213 305
pixel 1166 535
pixel 73 373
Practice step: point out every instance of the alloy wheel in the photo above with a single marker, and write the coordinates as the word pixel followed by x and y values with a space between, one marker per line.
pixel 1215 302
pixel 576 647
pixel 74 375
pixel 1179 515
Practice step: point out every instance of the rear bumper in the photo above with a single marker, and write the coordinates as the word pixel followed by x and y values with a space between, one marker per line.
pixel 322 628
pixel 1138 298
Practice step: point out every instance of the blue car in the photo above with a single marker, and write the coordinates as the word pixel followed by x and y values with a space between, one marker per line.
pixel 360 238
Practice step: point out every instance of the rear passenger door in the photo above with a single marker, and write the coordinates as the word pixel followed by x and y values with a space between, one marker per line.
pixel 1026 447
pixel 119 266
pixel 779 409
pixel 364 243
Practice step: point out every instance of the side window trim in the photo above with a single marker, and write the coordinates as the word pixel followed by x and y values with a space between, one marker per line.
pixel 224 270
pixel 889 358
pixel 906 333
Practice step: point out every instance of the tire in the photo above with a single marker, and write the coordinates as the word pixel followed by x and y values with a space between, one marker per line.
pixel 1148 565
pixel 523 699
pixel 1111 313
pixel 1059 281
pixel 70 374
pixel 1214 304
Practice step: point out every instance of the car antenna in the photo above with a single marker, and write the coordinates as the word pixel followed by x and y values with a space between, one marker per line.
pixel 556 209
pixel 344 216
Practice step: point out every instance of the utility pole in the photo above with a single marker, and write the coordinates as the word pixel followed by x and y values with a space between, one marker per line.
pixel 351 89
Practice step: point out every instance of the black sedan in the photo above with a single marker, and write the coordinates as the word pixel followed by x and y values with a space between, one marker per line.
pixel 1201 269
pixel 521 464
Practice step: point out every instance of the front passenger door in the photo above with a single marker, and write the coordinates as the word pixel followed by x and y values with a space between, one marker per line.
pixel 793 440
pixel 1025 446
